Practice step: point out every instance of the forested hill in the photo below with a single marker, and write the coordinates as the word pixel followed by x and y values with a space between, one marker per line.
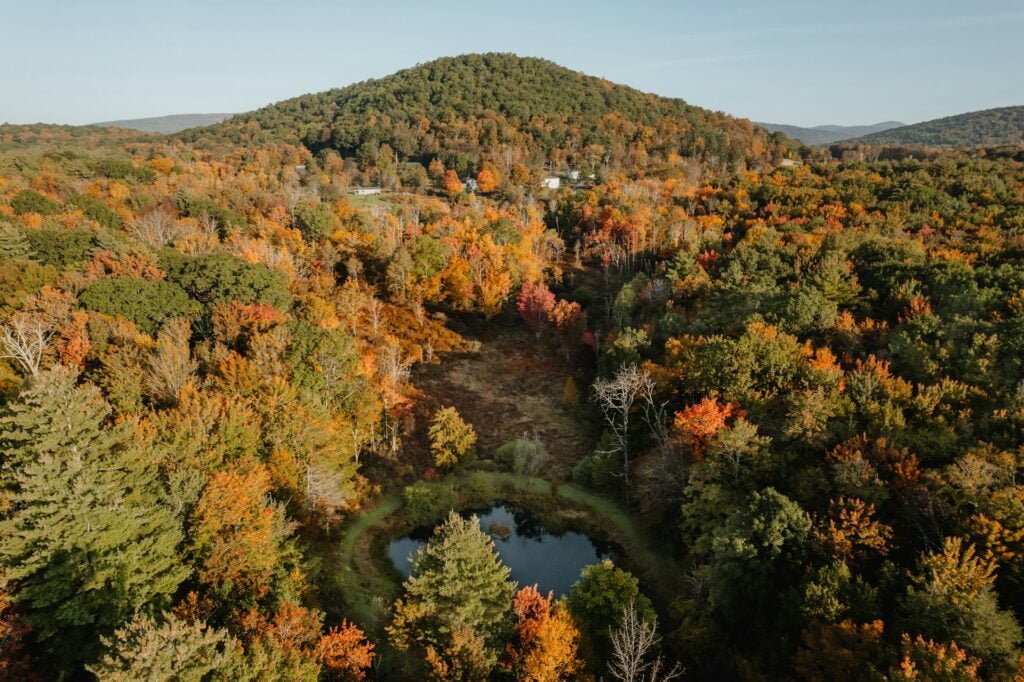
pixel 498 106
pixel 988 128
pixel 826 134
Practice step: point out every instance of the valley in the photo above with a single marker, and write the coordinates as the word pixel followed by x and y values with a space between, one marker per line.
pixel 755 403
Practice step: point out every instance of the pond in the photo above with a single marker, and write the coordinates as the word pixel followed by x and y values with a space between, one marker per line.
pixel 534 554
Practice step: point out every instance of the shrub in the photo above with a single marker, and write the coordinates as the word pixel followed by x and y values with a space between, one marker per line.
pixel 221 277
pixel 61 248
pixel 147 304
pixel 28 201
pixel 425 502
pixel 522 456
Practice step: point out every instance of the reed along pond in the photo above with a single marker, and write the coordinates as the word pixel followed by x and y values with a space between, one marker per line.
pixel 535 555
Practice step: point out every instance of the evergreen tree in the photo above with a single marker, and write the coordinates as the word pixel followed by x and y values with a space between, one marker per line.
pixel 161 652
pixel 457 587
pixel 13 244
pixel 85 537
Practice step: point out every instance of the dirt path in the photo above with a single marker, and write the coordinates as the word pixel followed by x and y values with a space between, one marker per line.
pixel 513 386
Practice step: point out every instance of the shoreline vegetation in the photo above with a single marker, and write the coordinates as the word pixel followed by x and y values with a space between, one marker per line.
pixel 359 570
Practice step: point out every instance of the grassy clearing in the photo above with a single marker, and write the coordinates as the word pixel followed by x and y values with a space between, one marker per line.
pixel 360 584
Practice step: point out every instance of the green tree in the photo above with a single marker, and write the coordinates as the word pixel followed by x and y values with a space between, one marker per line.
pixel 315 220
pixel 599 599
pixel 174 650
pixel 30 201
pixel 451 438
pixel 61 248
pixel 951 599
pixel 147 304
pixel 457 585
pixel 86 539
pixel 221 277
pixel 13 244
pixel 756 556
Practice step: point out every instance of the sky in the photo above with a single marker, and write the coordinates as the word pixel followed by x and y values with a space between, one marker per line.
pixel 801 63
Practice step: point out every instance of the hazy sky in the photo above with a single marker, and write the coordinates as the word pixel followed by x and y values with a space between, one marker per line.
pixel 805 63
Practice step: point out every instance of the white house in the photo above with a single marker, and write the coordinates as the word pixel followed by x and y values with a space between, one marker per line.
pixel 471 185
pixel 364 191
pixel 551 182
pixel 573 175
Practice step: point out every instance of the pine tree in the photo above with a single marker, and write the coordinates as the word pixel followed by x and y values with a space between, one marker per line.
pixel 85 537
pixel 172 650
pixel 457 585
pixel 13 244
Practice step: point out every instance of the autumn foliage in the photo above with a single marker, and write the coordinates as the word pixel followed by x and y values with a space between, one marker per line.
pixel 699 423
pixel 545 648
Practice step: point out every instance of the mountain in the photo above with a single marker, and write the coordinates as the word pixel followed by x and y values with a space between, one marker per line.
pixel 987 128
pixel 166 124
pixel 827 133
pixel 499 107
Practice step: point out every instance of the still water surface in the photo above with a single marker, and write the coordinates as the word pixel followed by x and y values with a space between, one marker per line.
pixel 535 555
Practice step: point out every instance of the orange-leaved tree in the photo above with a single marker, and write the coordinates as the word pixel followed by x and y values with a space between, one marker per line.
pixel 702 421
pixel 545 639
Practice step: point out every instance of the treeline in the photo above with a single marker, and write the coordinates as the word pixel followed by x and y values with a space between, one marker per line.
pixel 987 128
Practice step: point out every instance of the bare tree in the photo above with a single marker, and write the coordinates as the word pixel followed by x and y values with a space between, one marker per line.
pixel 395 371
pixel 24 339
pixel 634 645
pixel 325 490
pixel 617 397
pixel 170 365
pixel 156 228
pixel 376 309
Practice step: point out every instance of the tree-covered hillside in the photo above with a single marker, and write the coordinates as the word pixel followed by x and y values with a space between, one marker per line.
pixel 827 133
pixel 988 128
pixel 475 107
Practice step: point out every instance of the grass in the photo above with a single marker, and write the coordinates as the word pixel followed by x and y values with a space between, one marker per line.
pixel 363 576
pixel 365 200
pixel 360 588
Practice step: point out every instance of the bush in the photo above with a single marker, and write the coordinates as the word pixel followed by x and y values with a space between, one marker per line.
pixel 60 248
pixel 123 169
pixel 425 502
pixel 96 210
pixel 600 469
pixel 27 201
pixel 221 277
pixel 147 304
pixel 523 456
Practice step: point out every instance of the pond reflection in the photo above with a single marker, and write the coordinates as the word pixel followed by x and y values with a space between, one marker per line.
pixel 534 554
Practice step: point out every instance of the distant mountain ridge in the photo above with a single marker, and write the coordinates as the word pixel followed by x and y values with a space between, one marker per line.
pixel 987 128
pixel 166 124
pixel 826 134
